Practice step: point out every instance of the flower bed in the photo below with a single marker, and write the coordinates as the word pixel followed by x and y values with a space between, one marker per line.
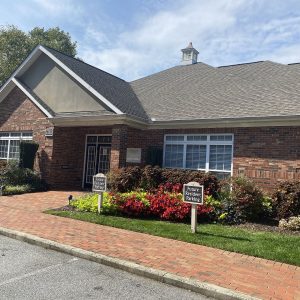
pixel 162 204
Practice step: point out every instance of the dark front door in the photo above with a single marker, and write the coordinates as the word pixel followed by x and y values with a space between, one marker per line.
pixel 97 159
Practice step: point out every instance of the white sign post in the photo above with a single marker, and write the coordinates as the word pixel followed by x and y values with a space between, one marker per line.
pixel 99 186
pixel 193 194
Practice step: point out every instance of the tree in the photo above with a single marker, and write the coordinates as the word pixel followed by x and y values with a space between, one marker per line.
pixel 15 45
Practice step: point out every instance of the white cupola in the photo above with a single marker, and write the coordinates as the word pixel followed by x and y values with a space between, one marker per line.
pixel 189 55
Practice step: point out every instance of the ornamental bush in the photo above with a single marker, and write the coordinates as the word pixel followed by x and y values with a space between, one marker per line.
pixel 151 178
pixel 239 202
pixel 247 199
pixel 89 203
pixel 28 151
pixel 125 179
pixel 131 204
pixel 292 223
pixel 160 205
pixel 286 200
pixel 13 175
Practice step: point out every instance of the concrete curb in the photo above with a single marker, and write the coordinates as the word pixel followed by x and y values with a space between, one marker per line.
pixel 203 288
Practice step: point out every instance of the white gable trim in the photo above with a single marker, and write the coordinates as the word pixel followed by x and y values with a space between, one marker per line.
pixel 20 86
pixel 7 87
pixel 34 54
pixel 81 81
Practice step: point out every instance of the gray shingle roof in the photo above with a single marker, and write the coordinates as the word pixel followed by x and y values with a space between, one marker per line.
pixel 199 91
pixel 114 89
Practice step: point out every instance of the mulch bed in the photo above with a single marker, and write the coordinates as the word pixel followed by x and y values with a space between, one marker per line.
pixel 266 227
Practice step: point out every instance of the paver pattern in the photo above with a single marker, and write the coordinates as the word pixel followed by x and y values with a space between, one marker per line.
pixel 254 276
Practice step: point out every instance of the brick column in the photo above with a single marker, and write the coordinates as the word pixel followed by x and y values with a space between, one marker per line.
pixel 118 147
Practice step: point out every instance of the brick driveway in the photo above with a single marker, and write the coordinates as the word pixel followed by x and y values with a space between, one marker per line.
pixel 254 276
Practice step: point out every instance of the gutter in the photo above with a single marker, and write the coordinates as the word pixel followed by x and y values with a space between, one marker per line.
pixel 124 119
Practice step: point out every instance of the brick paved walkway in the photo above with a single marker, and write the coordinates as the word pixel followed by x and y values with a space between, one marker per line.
pixel 257 277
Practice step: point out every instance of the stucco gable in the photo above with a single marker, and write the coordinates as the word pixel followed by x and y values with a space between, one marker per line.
pixel 57 89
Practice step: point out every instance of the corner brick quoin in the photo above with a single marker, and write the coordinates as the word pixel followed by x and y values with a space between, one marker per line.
pixel 264 154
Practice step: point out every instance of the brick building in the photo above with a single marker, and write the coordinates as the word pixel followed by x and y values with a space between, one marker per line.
pixel 240 119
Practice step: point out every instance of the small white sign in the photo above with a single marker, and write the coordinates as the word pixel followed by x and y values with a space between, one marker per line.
pixel 193 193
pixel 99 183
pixel 134 155
pixel 49 131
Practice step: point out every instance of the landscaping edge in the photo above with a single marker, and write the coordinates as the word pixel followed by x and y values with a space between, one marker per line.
pixel 203 288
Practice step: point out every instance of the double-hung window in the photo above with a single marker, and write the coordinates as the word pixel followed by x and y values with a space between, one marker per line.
pixel 10 144
pixel 209 152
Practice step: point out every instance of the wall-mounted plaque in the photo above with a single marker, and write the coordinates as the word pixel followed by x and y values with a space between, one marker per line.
pixel 49 131
pixel 134 155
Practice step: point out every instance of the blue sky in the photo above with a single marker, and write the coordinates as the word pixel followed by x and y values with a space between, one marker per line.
pixel 132 38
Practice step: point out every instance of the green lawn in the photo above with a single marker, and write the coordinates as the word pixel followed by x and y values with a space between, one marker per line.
pixel 274 246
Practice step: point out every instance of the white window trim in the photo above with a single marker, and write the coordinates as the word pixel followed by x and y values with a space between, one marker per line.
pixel 10 138
pixel 207 143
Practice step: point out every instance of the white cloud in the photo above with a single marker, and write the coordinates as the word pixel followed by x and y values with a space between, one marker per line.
pixel 157 42
pixel 58 6
pixel 148 37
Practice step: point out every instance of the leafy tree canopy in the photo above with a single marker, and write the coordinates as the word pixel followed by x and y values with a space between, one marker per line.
pixel 15 45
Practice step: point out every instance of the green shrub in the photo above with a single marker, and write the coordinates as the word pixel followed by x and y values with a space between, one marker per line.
pixel 28 151
pixel 125 179
pixel 292 223
pixel 17 189
pixel 149 178
pixel 248 199
pixel 240 200
pixel 286 200
pixel 15 176
pixel 3 164
pixel 89 203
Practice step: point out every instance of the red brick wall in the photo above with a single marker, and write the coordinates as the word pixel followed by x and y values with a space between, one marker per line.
pixel 265 154
pixel 68 155
pixel 19 114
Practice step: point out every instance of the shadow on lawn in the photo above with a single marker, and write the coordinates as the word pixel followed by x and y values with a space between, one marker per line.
pixel 224 236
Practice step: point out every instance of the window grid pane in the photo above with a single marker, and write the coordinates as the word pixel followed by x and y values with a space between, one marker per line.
pixel 226 138
pixel 200 152
pixel 27 134
pixel 4 134
pixel 174 156
pixel 196 138
pixel 174 138
pixel 10 144
pixel 195 156
pixel 3 149
pixel 14 149
pixel 220 157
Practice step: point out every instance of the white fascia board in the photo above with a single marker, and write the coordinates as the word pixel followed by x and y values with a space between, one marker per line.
pixel 105 120
pixel 81 81
pixel 20 86
pixel 32 56
pixel 227 123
